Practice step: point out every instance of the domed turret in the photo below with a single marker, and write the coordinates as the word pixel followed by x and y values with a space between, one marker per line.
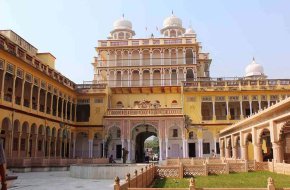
pixel 122 24
pixel 189 32
pixel 172 27
pixel 122 29
pixel 254 70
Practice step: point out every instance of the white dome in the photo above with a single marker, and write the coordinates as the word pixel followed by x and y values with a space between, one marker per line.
pixel 172 21
pixel 189 31
pixel 254 69
pixel 122 24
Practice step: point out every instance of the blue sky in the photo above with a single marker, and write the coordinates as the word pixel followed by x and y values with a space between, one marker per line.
pixel 231 31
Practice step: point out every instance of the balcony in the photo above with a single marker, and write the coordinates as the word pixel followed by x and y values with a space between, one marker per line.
pixel 144 112
pixel 235 84
pixel 153 41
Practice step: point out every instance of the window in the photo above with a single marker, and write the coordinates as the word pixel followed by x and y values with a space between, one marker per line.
pixel 206 148
pixel 119 104
pixel 175 133
pixel 98 100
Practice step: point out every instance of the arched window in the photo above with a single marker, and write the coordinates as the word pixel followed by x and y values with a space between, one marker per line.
pixel 174 103
pixel 121 35
pixel 136 104
pixel 172 33
pixel 119 104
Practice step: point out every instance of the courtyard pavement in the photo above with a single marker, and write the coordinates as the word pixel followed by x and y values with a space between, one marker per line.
pixel 58 181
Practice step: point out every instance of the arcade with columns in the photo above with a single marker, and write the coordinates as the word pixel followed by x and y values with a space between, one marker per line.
pixel 142 87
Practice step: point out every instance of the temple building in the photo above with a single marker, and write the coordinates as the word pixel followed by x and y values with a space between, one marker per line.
pixel 142 87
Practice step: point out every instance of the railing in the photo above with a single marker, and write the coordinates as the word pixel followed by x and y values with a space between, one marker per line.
pixel 231 84
pixel 153 41
pixel 140 111
pixel 11 48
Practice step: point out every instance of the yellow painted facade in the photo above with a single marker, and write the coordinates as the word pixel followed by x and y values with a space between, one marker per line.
pixel 141 87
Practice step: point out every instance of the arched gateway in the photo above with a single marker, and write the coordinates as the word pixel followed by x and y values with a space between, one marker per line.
pixel 140 133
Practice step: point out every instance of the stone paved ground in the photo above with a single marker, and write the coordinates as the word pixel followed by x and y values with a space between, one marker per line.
pixel 58 181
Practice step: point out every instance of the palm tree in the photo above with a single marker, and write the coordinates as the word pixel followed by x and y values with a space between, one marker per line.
pixel 187 122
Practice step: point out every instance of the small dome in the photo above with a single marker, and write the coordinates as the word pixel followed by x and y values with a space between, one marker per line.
pixel 189 31
pixel 172 21
pixel 254 69
pixel 122 24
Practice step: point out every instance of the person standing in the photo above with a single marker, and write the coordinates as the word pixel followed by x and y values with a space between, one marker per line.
pixel 2 166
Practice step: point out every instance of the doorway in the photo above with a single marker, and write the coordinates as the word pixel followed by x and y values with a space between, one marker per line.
pixel 191 150
pixel 118 151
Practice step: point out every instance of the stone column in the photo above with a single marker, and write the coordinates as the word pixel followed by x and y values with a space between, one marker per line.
pixel 151 57
pixel 19 145
pixel 183 148
pixel 278 157
pixel 235 151
pixel 251 111
pixel 160 149
pixel 48 145
pixel 55 141
pixel 104 148
pixel 141 59
pixel 60 147
pixel 213 111
pixel 241 107
pixel 27 145
pixel 57 98
pixel 258 152
pixel 228 151
pixel 129 149
pixel 166 148
pixel 38 97
pixel 13 87
pixel 214 142
pixel 184 55
pixel 74 147
pixel 22 92
pixel 227 106
pixel 34 145
pixel 222 150
pixel 244 152
pixel 151 78
pixel 90 148
pixel 200 142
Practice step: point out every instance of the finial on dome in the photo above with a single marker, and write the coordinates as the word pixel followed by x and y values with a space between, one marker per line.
pixel 172 12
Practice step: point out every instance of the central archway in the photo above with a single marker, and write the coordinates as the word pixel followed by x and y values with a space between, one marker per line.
pixel 140 134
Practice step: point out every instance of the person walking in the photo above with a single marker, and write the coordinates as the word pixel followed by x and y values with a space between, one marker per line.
pixel 2 166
